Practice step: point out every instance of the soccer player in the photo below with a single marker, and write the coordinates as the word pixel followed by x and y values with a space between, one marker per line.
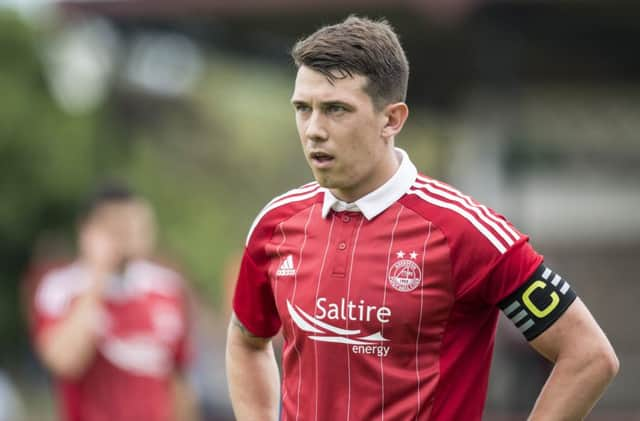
pixel 387 283
pixel 112 326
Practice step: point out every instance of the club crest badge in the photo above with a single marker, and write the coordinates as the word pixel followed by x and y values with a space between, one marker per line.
pixel 405 274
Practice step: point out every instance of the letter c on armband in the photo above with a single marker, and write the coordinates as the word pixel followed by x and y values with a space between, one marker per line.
pixel 538 312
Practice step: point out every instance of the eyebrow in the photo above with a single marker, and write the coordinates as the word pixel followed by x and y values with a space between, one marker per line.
pixel 324 104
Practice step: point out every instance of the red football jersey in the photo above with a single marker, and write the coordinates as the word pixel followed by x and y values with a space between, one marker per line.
pixel 388 304
pixel 143 340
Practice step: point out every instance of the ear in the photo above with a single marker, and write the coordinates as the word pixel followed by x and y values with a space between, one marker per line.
pixel 395 114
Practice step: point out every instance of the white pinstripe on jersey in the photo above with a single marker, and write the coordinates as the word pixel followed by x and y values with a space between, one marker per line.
pixel 315 344
pixel 464 210
pixel 384 301
pixel 283 390
pixel 284 239
pixel 293 298
pixel 353 256
pixel 305 192
pixel 424 256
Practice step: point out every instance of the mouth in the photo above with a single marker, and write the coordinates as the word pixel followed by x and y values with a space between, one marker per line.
pixel 321 159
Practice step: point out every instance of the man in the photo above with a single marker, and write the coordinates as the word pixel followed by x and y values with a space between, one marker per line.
pixel 112 326
pixel 387 283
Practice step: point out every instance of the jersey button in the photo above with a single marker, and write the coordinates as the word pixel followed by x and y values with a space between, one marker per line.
pixel 346 218
pixel 342 246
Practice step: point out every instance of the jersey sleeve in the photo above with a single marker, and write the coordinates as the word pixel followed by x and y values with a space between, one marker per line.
pixel 492 262
pixel 51 302
pixel 531 295
pixel 510 272
pixel 253 302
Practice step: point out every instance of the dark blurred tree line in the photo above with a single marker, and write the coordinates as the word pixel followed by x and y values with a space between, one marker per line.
pixel 47 161
pixel 196 158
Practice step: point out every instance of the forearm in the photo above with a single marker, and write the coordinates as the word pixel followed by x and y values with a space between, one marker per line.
pixel 572 389
pixel 584 364
pixel 69 346
pixel 253 379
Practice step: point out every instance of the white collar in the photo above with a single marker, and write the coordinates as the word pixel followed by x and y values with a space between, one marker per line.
pixel 376 202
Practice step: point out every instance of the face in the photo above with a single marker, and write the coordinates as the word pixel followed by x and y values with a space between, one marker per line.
pixel 342 134
pixel 140 228
pixel 100 239
pixel 128 228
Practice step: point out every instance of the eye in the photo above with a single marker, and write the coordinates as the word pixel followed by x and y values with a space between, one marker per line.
pixel 302 108
pixel 336 108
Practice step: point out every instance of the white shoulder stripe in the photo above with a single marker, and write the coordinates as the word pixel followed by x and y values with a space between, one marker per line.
pixel 470 203
pixel 475 209
pixel 466 215
pixel 299 190
pixel 295 195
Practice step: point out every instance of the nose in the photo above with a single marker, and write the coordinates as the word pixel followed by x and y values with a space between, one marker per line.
pixel 316 130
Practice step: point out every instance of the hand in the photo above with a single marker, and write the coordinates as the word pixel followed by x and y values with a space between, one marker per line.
pixel 101 250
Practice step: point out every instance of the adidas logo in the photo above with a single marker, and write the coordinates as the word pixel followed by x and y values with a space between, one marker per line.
pixel 286 268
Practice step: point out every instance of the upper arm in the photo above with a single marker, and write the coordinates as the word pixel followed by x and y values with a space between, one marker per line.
pixel 51 305
pixel 556 322
pixel 253 300
pixel 575 333
pixel 238 334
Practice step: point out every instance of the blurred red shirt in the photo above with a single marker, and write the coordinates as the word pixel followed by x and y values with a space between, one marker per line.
pixel 143 340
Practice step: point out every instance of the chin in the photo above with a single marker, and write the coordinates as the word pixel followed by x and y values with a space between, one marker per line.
pixel 331 184
pixel 329 180
pixel 321 178
pixel 323 183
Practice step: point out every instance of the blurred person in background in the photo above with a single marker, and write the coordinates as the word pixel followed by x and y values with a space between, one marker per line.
pixel 50 251
pixel 387 284
pixel 112 327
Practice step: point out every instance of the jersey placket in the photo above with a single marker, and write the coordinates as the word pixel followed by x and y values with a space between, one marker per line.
pixel 342 242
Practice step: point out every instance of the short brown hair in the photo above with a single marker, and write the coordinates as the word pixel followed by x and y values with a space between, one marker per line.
pixel 109 193
pixel 358 46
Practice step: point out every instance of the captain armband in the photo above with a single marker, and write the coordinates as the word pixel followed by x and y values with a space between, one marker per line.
pixel 538 303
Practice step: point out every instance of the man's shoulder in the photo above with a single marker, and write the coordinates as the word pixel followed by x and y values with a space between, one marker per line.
pixel 438 201
pixel 285 205
pixel 57 287
pixel 296 195
pixel 458 214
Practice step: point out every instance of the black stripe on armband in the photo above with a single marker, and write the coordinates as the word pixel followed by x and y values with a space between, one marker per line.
pixel 539 302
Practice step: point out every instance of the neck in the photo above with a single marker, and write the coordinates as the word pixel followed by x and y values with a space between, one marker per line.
pixel 380 175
